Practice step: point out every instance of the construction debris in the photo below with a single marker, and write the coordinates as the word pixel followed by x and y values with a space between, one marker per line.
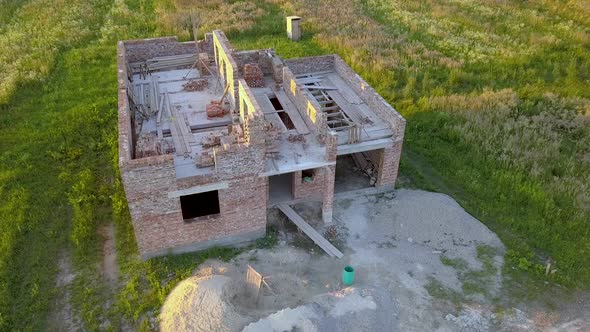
pixel 149 145
pixel 294 138
pixel 253 75
pixel 205 159
pixel 211 140
pixel 196 85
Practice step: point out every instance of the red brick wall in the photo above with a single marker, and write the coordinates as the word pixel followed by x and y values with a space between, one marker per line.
pixel 302 189
pixel 388 165
pixel 141 50
pixel 157 219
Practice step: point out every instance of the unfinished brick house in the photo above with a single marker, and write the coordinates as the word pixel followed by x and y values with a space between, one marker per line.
pixel 211 137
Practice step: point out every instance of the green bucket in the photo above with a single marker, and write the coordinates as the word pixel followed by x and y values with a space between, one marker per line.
pixel 348 275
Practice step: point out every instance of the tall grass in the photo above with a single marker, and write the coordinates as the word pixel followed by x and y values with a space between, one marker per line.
pixel 495 93
pixel 497 101
pixel 32 39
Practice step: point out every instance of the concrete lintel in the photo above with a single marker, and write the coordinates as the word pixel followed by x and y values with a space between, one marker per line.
pixel 198 189
pixel 365 146
pixel 297 167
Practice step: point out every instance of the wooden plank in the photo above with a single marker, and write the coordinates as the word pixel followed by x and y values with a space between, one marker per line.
pixel 253 282
pixel 316 237
pixel 155 94
pixel 141 101
pixel 331 115
pixel 181 146
pixel 330 108
pixel 349 109
pixel 309 80
pixel 344 89
pixel 319 87
pixel 314 73
pixel 160 111
pixel 211 125
pixel 186 128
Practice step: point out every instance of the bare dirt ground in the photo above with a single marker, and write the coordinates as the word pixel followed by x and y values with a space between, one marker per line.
pixel 109 252
pixel 422 264
pixel 63 317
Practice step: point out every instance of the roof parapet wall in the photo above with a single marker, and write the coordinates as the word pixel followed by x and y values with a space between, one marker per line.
pixel 311 64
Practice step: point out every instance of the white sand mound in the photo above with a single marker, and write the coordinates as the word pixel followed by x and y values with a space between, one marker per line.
pixel 348 301
pixel 298 319
pixel 343 310
pixel 198 304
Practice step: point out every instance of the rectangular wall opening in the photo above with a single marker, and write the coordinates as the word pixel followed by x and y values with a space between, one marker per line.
pixel 281 112
pixel 307 175
pixel 199 205
pixel 350 175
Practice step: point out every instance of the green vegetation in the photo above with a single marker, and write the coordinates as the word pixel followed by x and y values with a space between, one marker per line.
pixel 498 109
pixel 495 93
pixel 473 281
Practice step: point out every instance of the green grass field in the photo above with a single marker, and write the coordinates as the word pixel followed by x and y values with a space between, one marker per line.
pixel 496 95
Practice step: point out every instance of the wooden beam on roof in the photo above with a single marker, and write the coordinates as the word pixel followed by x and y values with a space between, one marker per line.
pixel 330 108
pixel 319 87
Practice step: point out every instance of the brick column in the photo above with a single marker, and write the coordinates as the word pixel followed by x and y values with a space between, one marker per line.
pixel 328 193
pixel 388 165
pixel 329 177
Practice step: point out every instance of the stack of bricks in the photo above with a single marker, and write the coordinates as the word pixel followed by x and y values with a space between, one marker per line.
pixel 195 85
pixel 214 110
pixel 253 76
pixel 205 159
pixel 147 146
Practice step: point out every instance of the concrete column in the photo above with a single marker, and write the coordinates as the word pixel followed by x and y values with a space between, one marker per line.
pixel 388 166
pixel 328 193
pixel 294 27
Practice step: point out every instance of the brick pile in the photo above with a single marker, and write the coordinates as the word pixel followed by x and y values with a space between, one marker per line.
pixel 253 76
pixel 214 110
pixel 195 85
pixel 205 159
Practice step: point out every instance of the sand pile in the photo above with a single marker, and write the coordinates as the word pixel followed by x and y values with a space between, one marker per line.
pixel 198 304
pixel 344 310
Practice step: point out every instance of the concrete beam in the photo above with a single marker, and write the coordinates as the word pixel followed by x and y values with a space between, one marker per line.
pixel 365 146
pixel 198 189
pixel 297 167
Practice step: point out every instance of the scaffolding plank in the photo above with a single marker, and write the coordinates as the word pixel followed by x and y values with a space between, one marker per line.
pixel 316 237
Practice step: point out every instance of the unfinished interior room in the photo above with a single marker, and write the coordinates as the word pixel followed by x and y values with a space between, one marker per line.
pixel 211 137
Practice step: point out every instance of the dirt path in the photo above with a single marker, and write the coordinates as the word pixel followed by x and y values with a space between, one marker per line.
pixel 109 266
pixel 63 317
